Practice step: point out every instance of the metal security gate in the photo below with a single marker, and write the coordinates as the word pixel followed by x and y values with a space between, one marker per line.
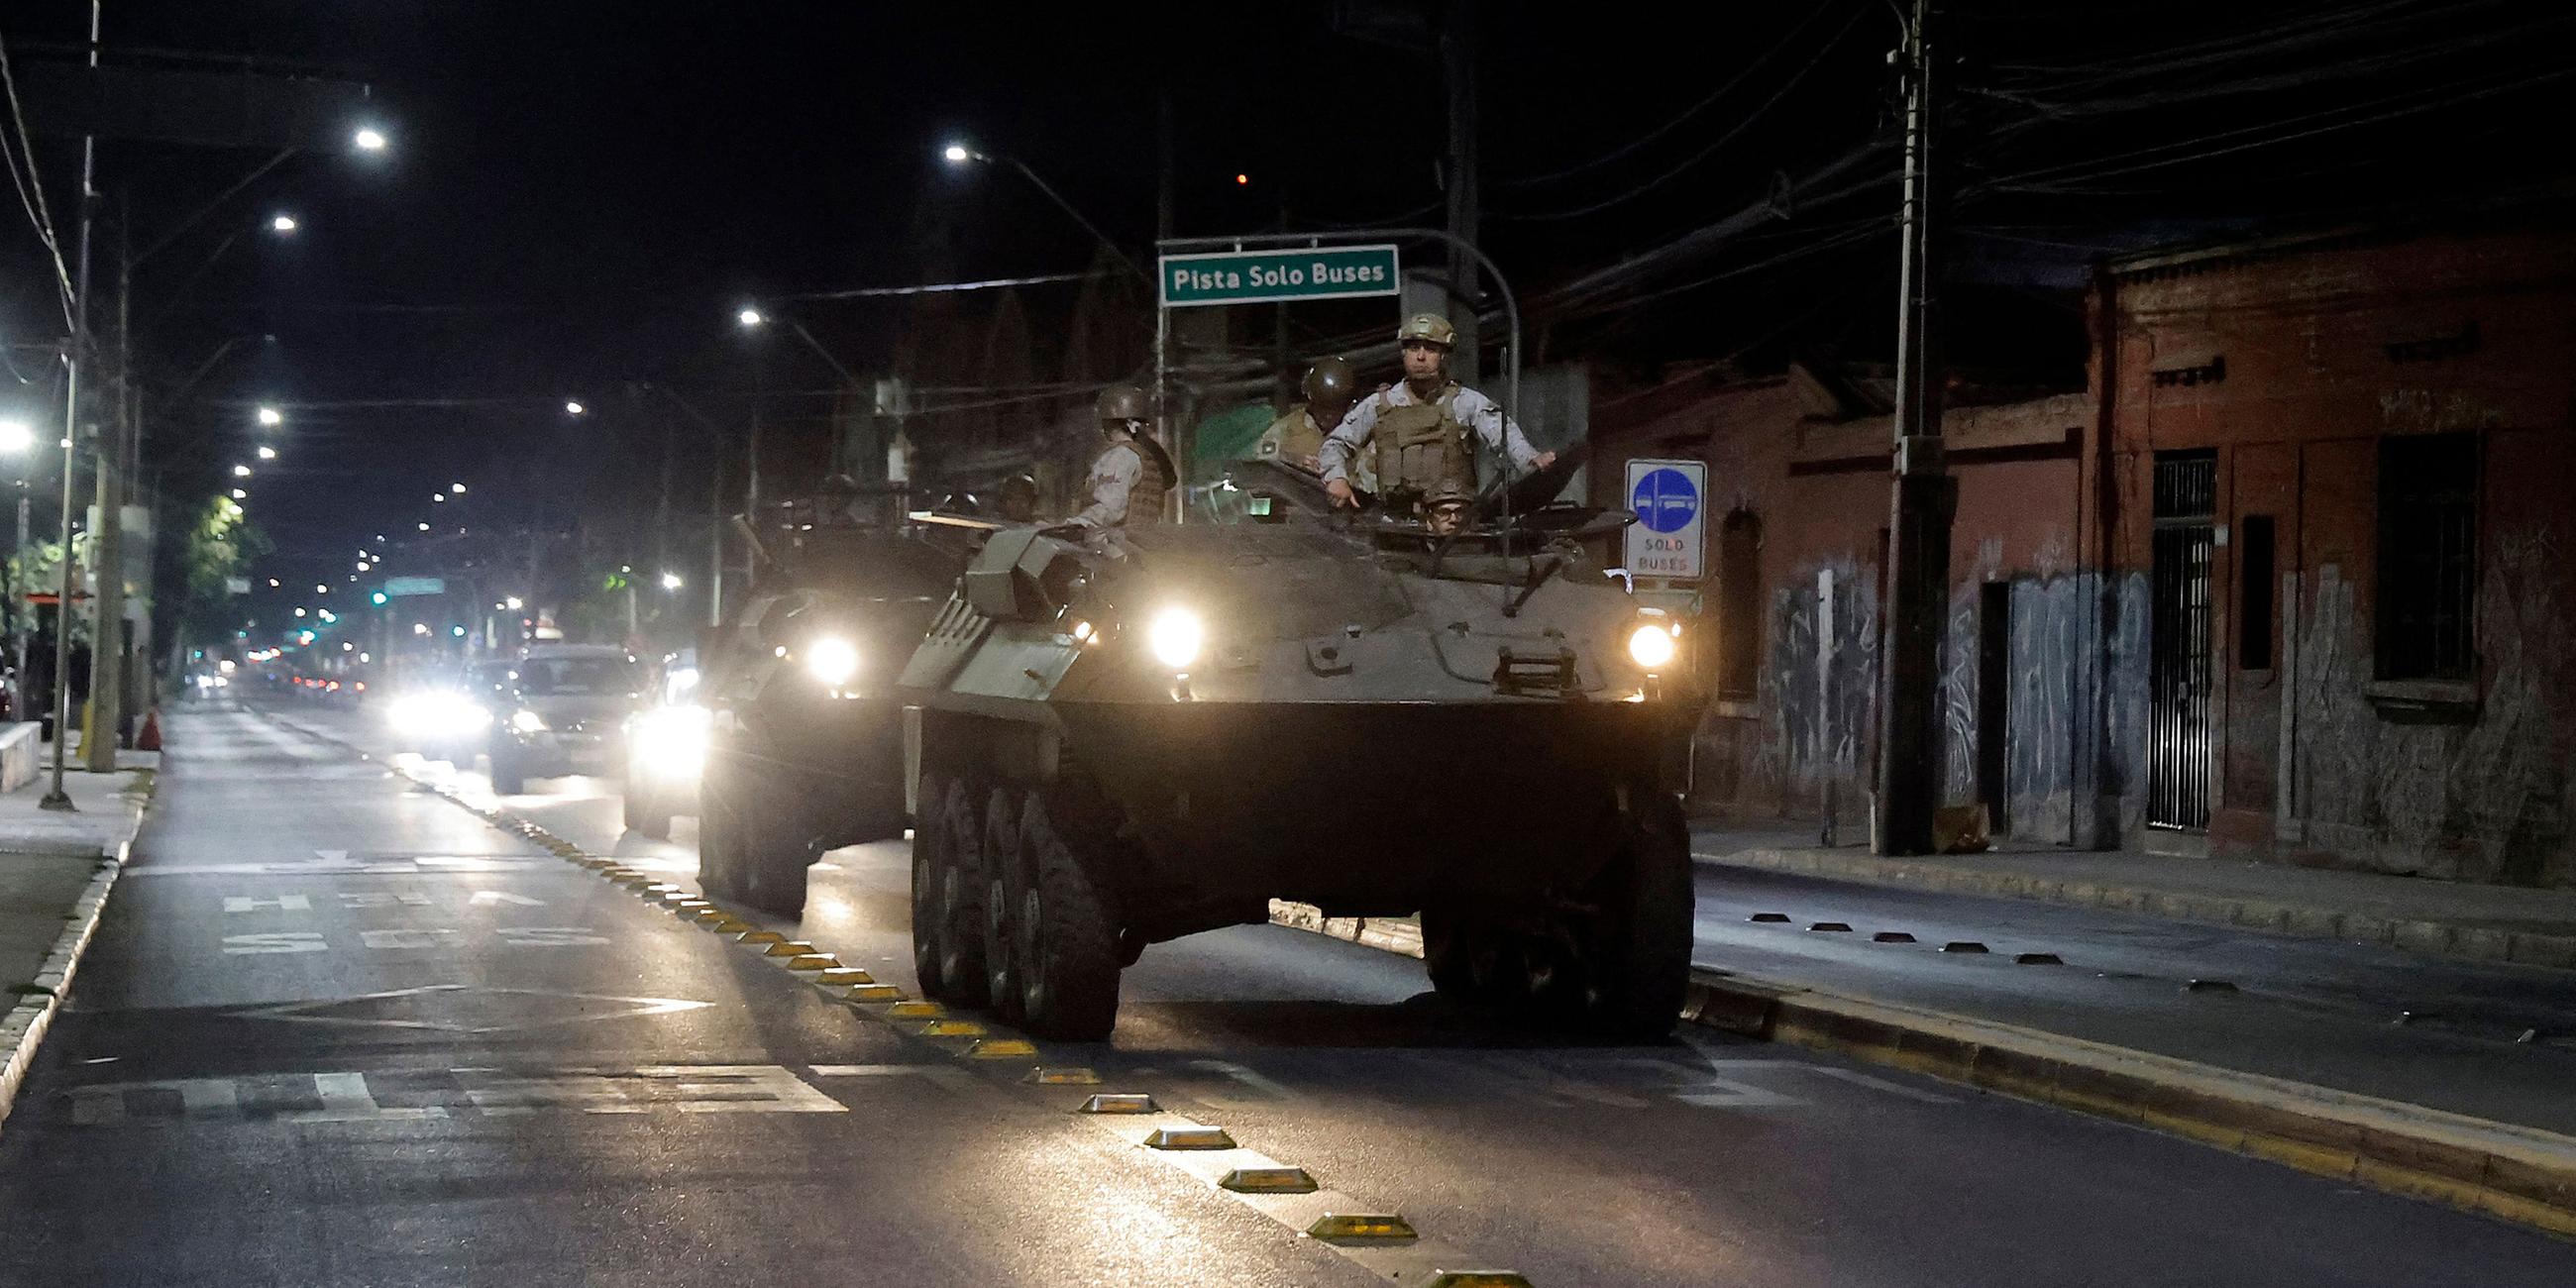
pixel 2178 684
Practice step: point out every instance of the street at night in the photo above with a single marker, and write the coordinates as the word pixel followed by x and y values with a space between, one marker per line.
pixel 1410 642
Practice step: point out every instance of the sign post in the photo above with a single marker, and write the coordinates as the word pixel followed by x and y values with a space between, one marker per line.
pixel 1668 541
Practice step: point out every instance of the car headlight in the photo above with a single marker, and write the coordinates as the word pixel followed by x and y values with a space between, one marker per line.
pixel 1175 636
pixel 832 660
pixel 526 721
pixel 671 743
pixel 1651 645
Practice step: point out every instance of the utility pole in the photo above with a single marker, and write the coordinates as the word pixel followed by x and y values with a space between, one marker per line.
pixel 107 595
pixel 78 354
pixel 1910 771
pixel 1459 40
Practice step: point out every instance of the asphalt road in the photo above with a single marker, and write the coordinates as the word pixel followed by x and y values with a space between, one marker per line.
pixel 338 1030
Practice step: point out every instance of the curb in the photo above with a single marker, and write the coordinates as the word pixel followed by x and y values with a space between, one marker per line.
pixel 23 1029
pixel 2516 1174
pixel 2436 938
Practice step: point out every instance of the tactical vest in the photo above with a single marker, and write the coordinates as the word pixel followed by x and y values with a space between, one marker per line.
pixel 1145 498
pixel 1420 444
pixel 1294 437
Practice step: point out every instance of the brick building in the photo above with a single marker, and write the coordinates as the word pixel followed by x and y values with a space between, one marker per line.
pixel 2288 580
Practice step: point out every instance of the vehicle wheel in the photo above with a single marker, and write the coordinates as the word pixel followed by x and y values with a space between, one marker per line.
pixel 1000 871
pixel 929 869
pixel 772 865
pixel 959 899
pixel 506 778
pixel 1638 957
pixel 645 815
pixel 718 816
pixel 1066 948
pixel 1471 960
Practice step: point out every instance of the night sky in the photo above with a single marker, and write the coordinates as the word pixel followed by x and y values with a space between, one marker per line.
pixel 579 194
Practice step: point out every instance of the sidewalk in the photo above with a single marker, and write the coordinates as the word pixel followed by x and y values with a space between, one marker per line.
pixel 2441 918
pixel 55 872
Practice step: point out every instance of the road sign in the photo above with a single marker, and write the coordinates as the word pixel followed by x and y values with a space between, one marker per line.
pixel 1670 498
pixel 397 587
pixel 1270 276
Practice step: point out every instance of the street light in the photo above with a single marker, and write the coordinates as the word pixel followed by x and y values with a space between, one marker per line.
pixel 17 437
pixel 457 488
pixel 369 139
pixel 267 453
pixel 438 496
pixel 573 407
pixel 960 154
pixel 240 495
pixel 516 603
pixel 241 471
pixel 282 223
pixel 749 317
pixel 671 581
pixel 271 417
pixel 424 527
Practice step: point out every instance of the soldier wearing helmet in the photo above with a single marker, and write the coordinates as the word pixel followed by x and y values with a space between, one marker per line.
pixel 1426 430
pixel 1446 508
pixel 1018 501
pixel 1129 479
pixel 1298 437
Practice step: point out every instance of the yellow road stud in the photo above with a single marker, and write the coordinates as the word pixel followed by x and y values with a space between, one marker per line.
pixel 1269 1180
pixel 1352 1227
pixel 1191 1138
pixel 914 1010
pixel 726 924
pixel 693 906
pixel 873 993
pixel 952 1029
pixel 1477 1279
pixel 1002 1049
pixel 785 948
pixel 760 937
pixel 832 975
pixel 1120 1102
pixel 812 961
pixel 1063 1077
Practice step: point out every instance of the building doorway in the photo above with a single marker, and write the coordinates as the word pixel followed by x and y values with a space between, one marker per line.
pixel 2178 683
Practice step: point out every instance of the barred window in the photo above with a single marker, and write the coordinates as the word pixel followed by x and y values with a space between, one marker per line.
pixel 2428 536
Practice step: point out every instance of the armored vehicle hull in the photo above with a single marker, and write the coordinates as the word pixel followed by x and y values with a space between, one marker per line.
pixel 1125 738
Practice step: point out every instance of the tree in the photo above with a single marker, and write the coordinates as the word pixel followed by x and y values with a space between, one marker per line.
pixel 222 543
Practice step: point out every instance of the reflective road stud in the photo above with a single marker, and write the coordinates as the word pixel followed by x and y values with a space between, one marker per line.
pixel 873 993
pixel 902 1010
pixel 952 1029
pixel 1199 1138
pixel 783 947
pixel 760 937
pixel 812 961
pixel 1268 1180
pixel 1063 1078
pixel 1002 1049
pixel 1120 1102
pixel 831 976
pixel 1341 1227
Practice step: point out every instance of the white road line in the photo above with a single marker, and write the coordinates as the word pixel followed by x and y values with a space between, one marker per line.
pixel 282 903
pixel 938 1075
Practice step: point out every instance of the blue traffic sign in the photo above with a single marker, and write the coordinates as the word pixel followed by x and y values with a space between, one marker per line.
pixel 1665 501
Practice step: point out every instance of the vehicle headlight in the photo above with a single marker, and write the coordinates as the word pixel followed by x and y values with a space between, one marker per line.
pixel 671 743
pixel 832 660
pixel 526 721
pixel 1651 645
pixel 1175 636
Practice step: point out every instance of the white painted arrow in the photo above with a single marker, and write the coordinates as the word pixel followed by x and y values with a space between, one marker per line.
pixel 486 897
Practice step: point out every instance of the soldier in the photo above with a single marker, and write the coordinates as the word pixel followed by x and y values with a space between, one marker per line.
pixel 1129 479
pixel 1420 427
pixel 1298 437
pixel 1018 499
pixel 1445 508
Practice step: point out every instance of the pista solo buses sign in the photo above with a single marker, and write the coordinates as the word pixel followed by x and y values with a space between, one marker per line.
pixel 1670 498
pixel 1272 276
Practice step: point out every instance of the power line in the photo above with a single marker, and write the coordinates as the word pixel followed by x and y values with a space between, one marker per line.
pixel 31 189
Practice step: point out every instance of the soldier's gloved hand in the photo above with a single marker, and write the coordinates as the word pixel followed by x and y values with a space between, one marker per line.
pixel 1340 491
pixel 1544 460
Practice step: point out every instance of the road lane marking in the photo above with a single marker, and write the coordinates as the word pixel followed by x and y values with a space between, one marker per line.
pixel 488 897
pixel 406 937
pixel 548 936
pixel 252 903
pixel 354 900
pixel 276 942
pixel 957 1080
pixel 344 1096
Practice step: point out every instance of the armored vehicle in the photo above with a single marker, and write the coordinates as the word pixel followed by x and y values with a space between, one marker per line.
pixel 1124 737
pixel 803 747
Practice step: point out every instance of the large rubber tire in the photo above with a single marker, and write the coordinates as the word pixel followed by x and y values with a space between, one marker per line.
pixel 773 863
pixel 506 778
pixel 999 841
pixel 1066 943
pixel 719 815
pixel 929 843
pixel 958 899
pixel 1639 949
pixel 1471 960
pixel 645 815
